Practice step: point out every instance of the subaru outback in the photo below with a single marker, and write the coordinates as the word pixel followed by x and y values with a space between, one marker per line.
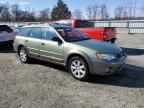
pixel 68 47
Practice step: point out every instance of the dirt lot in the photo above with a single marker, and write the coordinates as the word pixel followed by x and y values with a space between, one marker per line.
pixel 43 85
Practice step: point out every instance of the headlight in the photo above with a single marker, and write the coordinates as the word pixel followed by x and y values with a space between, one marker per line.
pixel 105 56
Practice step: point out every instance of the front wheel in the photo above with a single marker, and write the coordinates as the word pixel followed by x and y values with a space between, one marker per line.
pixel 23 55
pixel 78 68
pixel 113 40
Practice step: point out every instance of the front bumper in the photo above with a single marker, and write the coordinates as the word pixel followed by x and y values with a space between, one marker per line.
pixel 106 68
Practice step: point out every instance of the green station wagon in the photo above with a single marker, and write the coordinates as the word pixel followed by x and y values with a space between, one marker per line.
pixel 68 47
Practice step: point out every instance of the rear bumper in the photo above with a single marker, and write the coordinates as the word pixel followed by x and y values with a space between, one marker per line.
pixel 7 42
pixel 105 68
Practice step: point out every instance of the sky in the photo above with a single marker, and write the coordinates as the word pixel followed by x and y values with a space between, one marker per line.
pixel 72 4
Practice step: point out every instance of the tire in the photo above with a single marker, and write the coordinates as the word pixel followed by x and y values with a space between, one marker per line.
pixel 78 68
pixel 113 40
pixel 23 55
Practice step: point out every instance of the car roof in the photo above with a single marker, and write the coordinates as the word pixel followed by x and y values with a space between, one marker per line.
pixel 53 25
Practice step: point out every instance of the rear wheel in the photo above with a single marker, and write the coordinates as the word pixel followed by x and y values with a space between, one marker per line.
pixel 23 56
pixel 78 68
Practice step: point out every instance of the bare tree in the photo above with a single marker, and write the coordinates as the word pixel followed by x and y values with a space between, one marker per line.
pixel 121 12
pixel 89 12
pixel 118 12
pixel 78 14
pixel 5 13
pixel 135 8
pixel 142 8
pixel 95 11
pixel 16 11
pixel 92 12
pixel 130 5
pixel 28 15
pixel 103 12
pixel 125 12
pixel 45 15
pixel 132 8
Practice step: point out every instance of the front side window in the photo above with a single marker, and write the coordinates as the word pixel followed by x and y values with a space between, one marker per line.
pixel 48 34
pixel 24 32
pixel 35 33
pixel 70 35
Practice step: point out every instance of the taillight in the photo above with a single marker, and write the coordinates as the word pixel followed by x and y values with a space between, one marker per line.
pixel 14 37
pixel 104 35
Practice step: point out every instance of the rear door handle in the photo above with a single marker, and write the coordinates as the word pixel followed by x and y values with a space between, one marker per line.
pixel 42 43
pixel 26 40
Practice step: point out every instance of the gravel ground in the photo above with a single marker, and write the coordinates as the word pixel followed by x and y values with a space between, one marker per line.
pixel 43 85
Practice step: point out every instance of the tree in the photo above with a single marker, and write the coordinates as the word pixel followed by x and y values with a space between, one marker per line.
pixel 5 13
pixel 135 8
pixel 118 12
pixel 78 14
pixel 121 12
pixel 103 12
pixel 28 15
pixel 95 11
pixel 44 15
pixel 132 8
pixel 89 12
pixel 130 4
pixel 142 9
pixel 92 12
pixel 60 11
pixel 16 11
pixel 125 12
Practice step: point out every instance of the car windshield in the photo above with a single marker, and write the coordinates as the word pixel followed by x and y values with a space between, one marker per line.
pixel 71 35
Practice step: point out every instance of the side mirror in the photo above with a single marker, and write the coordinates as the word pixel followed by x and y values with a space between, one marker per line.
pixel 57 39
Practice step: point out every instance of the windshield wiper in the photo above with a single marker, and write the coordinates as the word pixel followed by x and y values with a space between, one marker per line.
pixel 78 40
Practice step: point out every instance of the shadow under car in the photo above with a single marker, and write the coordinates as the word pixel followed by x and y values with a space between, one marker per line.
pixel 131 76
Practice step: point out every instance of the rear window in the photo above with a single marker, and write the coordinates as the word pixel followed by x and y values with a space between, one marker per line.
pixel 24 32
pixel 5 28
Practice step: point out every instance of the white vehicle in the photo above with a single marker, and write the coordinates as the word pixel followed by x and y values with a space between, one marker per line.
pixel 6 35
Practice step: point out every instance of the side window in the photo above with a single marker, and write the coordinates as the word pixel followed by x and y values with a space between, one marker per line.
pixel 24 32
pixel 1 28
pixel 48 34
pixel 35 33
pixel 61 32
pixel 5 28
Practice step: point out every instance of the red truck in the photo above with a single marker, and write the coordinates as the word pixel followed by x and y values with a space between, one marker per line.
pixel 104 34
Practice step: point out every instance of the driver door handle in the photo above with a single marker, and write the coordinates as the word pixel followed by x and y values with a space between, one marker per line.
pixel 42 43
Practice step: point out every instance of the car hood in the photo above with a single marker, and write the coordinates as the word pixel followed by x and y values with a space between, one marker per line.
pixel 99 46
